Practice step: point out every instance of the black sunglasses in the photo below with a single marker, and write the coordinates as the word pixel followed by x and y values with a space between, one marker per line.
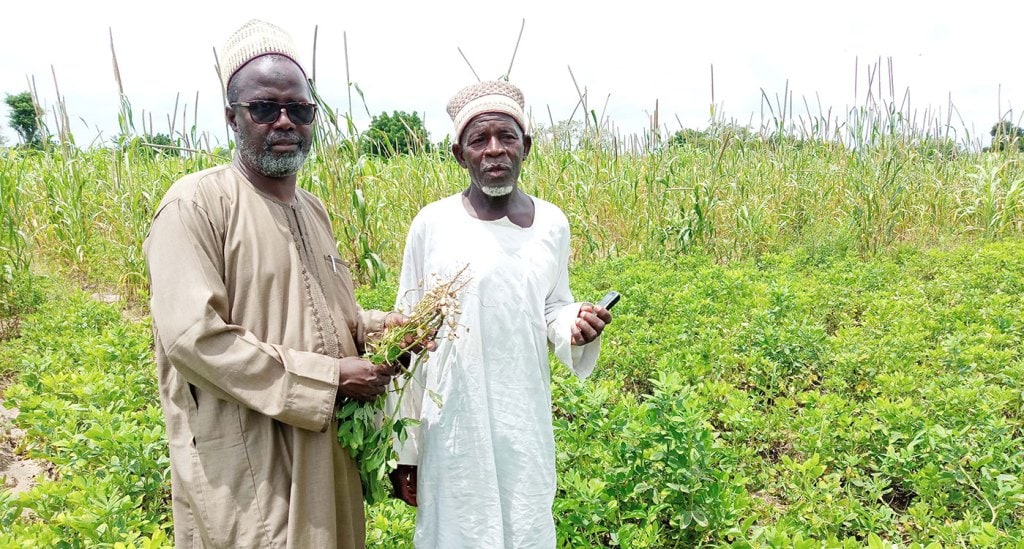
pixel 267 112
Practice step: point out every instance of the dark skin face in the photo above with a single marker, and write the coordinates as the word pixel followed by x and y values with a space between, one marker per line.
pixel 492 148
pixel 270 154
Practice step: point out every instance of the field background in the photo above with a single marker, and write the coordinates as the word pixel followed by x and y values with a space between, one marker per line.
pixel 819 343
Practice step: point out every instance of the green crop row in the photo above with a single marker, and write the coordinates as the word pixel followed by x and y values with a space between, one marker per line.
pixel 793 400
pixel 87 396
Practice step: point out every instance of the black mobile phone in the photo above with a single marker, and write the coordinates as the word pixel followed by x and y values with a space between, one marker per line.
pixel 609 300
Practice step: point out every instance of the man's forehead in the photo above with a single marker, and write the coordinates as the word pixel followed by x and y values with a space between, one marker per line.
pixel 485 117
pixel 272 72
pixel 273 66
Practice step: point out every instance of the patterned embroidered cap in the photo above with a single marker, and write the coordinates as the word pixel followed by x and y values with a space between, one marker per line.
pixel 489 96
pixel 254 39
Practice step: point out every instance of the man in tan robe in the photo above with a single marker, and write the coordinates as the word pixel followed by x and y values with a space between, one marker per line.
pixel 257 330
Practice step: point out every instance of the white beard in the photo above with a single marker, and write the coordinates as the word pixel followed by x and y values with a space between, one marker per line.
pixel 497 191
pixel 260 158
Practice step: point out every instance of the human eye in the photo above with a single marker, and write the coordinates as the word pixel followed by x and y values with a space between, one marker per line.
pixel 301 112
pixel 263 109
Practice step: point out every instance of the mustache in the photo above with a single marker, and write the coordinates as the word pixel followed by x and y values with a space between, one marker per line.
pixel 283 138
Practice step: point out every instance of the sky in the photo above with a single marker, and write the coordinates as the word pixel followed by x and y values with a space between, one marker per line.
pixel 627 57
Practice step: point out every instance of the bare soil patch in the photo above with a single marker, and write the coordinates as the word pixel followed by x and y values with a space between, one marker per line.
pixel 18 473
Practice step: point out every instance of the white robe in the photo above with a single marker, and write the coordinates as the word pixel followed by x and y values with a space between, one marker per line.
pixel 486 457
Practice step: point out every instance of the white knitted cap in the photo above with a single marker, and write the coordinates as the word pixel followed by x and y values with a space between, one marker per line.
pixel 254 39
pixel 489 96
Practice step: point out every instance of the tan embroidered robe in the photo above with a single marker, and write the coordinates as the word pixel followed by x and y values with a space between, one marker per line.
pixel 251 309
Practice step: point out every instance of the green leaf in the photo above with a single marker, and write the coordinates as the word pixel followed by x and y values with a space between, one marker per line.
pixel 700 518
pixel 436 398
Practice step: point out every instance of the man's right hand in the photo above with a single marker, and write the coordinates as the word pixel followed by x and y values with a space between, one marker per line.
pixel 362 380
pixel 403 483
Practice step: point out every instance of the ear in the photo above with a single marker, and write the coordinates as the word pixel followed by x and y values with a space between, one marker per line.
pixel 457 153
pixel 229 114
pixel 527 143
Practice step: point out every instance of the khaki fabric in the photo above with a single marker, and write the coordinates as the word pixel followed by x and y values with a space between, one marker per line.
pixel 251 310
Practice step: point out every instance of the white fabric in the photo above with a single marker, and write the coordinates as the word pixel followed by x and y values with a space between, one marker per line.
pixel 489 103
pixel 254 39
pixel 486 457
pixel 487 96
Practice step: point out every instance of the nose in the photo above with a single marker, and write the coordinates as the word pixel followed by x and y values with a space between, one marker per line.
pixel 494 146
pixel 283 121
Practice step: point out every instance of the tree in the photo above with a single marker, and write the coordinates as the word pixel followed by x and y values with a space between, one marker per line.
pixel 694 138
pixel 163 145
pixel 1005 136
pixel 25 118
pixel 398 133
pixel 148 145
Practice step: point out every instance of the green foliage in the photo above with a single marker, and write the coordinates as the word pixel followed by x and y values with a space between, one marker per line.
pixel 690 137
pixel 641 472
pixel 395 134
pixel 390 523
pixel 735 197
pixel 15 232
pixel 800 399
pixel 18 292
pixel 86 392
pixel 1006 136
pixel 24 118
pixel 841 398
pixel 993 203
pixel 367 430
pixel 87 211
pixel 19 295
pixel 149 145
pixel 370 446
pixel 819 343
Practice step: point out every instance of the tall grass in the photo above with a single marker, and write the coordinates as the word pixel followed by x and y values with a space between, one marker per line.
pixel 878 175
pixel 17 294
pixel 15 233
pixel 732 195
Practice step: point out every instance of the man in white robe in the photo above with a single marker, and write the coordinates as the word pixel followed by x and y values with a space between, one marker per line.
pixel 481 465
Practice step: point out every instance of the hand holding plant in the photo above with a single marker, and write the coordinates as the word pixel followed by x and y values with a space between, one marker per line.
pixel 365 429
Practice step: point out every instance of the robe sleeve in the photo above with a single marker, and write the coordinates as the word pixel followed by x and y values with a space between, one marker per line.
pixel 370 326
pixel 410 292
pixel 189 305
pixel 560 312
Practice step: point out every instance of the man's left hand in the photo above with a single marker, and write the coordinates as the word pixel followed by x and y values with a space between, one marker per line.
pixel 415 343
pixel 590 322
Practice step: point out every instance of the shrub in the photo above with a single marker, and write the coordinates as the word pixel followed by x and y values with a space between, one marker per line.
pixel 395 134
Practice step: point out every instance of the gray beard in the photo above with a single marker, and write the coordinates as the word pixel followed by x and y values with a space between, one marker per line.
pixel 270 164
pixel 497 191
